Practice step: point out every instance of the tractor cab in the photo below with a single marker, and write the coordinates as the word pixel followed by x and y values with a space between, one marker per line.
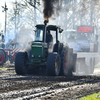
pixel 50 35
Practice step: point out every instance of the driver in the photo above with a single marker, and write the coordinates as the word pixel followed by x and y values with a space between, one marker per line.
pixel 49 40
pixel 49 37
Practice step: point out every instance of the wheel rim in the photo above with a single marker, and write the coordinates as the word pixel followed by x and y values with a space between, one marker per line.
pixel 56 65
pixel 65 61
pixel 1 58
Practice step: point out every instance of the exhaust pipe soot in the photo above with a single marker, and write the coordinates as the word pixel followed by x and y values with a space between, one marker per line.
pixel 45 22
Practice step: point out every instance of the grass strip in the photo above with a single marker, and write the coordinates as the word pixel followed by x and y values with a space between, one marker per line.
pixel 3 68
pixel 95 96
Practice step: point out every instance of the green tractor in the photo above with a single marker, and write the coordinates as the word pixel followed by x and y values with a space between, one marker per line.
pixel 46 52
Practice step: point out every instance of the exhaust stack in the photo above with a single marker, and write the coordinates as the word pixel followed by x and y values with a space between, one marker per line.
pixel 45 28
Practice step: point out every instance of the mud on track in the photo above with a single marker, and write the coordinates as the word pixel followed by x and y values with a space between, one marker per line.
pixel 31 87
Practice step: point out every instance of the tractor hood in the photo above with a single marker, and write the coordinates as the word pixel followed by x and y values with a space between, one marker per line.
pixel 37 50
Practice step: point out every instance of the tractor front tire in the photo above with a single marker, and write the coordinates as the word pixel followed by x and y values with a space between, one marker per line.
pixel 53 64
pixel 20 63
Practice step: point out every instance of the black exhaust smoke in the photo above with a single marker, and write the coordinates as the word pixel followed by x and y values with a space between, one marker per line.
pixel 51 7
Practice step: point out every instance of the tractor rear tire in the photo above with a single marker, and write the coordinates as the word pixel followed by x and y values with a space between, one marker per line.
pixel 20 63
pixel 2 57
pixel 64 61
pixel 53 64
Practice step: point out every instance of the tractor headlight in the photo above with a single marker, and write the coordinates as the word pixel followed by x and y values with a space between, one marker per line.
pixel 39 56
pixel 32 56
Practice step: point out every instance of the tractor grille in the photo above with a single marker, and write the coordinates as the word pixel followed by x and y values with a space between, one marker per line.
pixel 37 51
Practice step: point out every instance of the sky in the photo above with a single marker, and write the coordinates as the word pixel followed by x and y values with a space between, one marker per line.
pixel 2 14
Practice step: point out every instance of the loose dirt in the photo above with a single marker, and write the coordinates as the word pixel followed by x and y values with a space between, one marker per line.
pixel 41 87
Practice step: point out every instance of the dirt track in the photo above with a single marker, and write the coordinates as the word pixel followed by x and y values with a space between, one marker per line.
pixel 42 87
